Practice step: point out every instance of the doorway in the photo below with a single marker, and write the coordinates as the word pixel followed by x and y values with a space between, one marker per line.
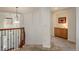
pixel 64 28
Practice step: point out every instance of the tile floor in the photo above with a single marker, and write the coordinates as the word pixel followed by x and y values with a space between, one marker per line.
pixel 57 44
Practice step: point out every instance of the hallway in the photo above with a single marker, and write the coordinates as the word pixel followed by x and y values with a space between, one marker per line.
pixel 36 28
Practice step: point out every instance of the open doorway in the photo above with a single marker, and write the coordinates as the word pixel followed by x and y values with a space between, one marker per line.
pixel 64 28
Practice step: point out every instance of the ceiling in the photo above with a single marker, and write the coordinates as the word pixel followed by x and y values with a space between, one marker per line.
pixel 58 8
pixel 26 9
pixel 13 9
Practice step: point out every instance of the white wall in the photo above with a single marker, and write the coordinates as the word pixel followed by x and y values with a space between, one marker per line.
pixel 45 26
pixel 59 14
pixel 70 14
pixel 37 26
pixel 72 25
pixel 31 28
pixel 77 28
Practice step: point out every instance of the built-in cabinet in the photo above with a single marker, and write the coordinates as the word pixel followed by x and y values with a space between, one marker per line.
pixel 61 32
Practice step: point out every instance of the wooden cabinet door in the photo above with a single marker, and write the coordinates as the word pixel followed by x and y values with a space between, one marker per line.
pixel 61 32
pixel 57 32
pixel 64 33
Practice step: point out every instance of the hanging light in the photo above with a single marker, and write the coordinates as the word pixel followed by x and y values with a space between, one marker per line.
pixel 16 21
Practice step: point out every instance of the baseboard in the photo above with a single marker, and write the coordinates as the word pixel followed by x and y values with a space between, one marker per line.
pixel 34 45
pixel 72 42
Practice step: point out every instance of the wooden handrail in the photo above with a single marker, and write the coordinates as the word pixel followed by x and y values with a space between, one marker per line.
pixel 11 28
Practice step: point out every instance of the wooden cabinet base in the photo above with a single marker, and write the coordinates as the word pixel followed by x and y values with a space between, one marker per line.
pixel 61 32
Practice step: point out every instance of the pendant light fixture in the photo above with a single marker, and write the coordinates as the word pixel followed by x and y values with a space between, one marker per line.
pixel 16 21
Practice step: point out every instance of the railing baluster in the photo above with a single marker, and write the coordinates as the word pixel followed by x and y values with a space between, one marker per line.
pixel 6 39
pixel 7 34
pixel 0 40
pixel 17 37
pixel 3 38
pixel 11 38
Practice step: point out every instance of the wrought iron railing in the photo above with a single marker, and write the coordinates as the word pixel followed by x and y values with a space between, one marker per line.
pixel 11 38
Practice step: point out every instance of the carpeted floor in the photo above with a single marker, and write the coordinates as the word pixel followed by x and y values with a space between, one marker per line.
pixel 57 44
pixel 39 48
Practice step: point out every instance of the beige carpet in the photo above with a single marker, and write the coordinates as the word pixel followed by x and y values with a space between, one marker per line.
pixel 35 48
pixel 57 44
